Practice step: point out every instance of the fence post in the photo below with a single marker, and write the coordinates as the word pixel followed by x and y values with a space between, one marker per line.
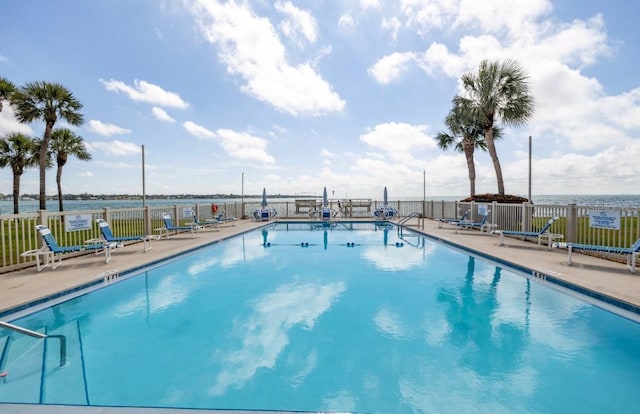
pixel 526 216
pixel 494 212
pixel 147 220
pixel 572 224
pixel 42 217
pixel 107 214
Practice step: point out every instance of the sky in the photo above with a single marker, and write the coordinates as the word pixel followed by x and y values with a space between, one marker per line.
pixel 297 95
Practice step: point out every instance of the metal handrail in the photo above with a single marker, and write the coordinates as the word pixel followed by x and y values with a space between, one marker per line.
pixel 406 219
pixel 34 334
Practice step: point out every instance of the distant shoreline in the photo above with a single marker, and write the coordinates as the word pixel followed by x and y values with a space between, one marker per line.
pixel 33 205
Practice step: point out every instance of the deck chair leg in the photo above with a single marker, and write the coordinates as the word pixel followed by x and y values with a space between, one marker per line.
pixel 570 250
pixel 107 254
pixel 631 262
pixel 54 263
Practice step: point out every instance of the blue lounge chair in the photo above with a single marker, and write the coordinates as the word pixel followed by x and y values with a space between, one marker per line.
pixel 107 236
pixel 385 212
pixel 169 227
pixel 51 250
pixel 205 224
pixel 222 219
pixel 468 224
pixel 452 220
pixel 540 234
pixel 630 252
pixel 265 214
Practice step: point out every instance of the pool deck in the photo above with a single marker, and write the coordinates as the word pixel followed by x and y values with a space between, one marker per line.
pixel 19 288
pixel 604 277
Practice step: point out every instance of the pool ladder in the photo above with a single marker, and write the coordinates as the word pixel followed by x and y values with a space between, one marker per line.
pixel 34 334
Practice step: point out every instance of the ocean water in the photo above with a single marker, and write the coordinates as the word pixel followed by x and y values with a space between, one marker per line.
pixel 30 206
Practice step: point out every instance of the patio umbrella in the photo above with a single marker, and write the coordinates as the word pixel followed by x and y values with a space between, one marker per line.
pixel 325 202
pixel 264 197
pixel 384 197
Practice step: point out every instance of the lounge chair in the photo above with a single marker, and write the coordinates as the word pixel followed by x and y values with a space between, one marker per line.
pixel 327 213
pixel 107 236
pixel 468 224
pixel 543 233
pixel 205 224
pixel 50 249
pixel 265 214
pixel 222 219
pixel 169 227
pixel 385 212
pixel 630 252
pixel 453 220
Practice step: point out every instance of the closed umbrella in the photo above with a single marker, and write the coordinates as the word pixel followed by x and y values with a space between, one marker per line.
pixel 325 201
pixel 264 198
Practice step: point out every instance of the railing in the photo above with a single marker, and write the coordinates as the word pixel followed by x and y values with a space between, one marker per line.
pixel 38 335
pixel 18 234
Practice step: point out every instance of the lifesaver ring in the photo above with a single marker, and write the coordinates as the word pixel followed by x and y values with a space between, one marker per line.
pixel 214 208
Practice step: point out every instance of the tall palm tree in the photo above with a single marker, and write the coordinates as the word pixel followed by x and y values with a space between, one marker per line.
pixel 19 152
pixel 46 101
pixel 64 143
pixel 6 89
pixel 464 134
pixel 499 91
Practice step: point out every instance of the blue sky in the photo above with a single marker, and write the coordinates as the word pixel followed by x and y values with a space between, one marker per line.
pixel 299 95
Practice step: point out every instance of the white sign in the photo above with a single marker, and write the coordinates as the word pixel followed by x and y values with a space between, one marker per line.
pixel 604 219
pixel 77 222
pixel 483 209
pixel 187 212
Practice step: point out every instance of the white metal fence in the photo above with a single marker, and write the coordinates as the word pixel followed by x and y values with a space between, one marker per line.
pixel 18 234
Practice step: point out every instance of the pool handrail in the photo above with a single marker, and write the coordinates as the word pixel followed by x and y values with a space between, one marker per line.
pixel 38 335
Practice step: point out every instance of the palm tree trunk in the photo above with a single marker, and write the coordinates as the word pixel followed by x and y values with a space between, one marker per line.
pixel 44 149
pixel 488 137
pixel 16 194
pixel 467 147
pixel 59 183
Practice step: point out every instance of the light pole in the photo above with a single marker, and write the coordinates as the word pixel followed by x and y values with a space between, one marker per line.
pixel 529 168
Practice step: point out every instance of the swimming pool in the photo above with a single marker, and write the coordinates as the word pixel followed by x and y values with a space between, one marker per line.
pixel 346 317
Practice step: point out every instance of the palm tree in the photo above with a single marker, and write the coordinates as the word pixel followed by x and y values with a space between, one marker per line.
pixel 6 89
pixel 464 134
pixel 499 91
pixel 19 152
pixel 46 101
pixel 64 143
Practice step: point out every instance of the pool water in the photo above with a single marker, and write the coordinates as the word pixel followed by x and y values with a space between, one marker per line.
pixel 358 320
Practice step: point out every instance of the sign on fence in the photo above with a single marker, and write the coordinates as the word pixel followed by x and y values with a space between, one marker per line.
pixel 604 219
pixel 77 222
pixel 483 209
pixel 187 212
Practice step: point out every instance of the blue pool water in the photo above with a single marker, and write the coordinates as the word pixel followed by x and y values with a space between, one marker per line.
pixel 388 325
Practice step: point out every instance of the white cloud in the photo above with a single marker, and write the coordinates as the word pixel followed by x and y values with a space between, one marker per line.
pixel 392 25
pixel 390 67
pixel 298 25
pixel 370 4
pixel 399 140
pixel 101 128
pixel 198 131
pixel 143 91
pixel 162 115
pixel 9 123
pixel 115 147
pixel 239 145
pixel 346 23
pixel 250 47
pixel 87 174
